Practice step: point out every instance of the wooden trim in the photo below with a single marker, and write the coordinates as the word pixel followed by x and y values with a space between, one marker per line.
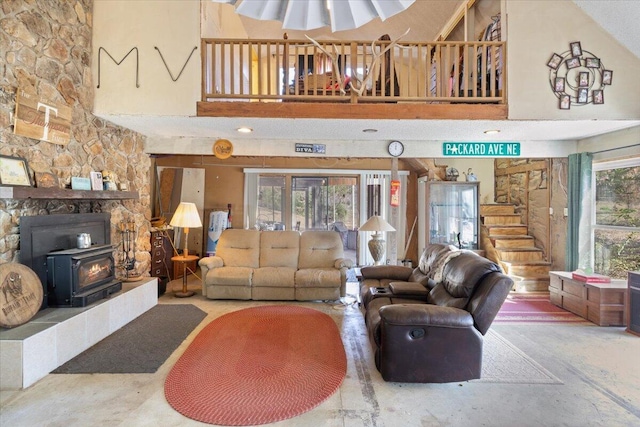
pixel 324 110
pixel 453 22
pixel 533 166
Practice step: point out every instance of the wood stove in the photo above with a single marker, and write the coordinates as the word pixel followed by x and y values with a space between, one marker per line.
pixel 43 235
pixel 78 277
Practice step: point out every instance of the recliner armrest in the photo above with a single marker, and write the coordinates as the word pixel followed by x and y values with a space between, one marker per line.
pixel 343 263
pixel 211 262
pixel 425 315
pixel 393 272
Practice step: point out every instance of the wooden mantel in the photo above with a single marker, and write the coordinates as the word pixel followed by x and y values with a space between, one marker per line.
pixel 8 192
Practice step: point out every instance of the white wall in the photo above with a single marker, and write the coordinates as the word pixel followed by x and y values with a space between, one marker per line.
pixel 537 29
pixel 171 25
pixel 616 145
pixel 221 20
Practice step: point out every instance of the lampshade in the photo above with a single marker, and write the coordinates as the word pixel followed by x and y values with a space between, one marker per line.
pixel 311 14
pixel 376 223
pixel 186 216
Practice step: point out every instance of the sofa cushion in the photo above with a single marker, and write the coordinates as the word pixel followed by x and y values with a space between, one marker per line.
pixel 418 276
pixel 318 278
pixel 279 249
pixel 239 248
pixel 274 277
pixel 439 296
pixel 320 249
pixel 463 273
pixel 234 276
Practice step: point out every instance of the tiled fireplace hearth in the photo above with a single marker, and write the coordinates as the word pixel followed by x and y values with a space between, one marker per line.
pixel 56 335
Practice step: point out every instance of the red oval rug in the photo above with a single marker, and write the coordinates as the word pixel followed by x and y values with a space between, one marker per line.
pixel 258 365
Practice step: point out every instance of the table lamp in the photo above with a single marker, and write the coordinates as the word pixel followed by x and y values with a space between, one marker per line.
pixel 186 217
pixel 377 224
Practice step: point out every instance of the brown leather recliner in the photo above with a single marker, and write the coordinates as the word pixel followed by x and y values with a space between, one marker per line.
pixel 437 337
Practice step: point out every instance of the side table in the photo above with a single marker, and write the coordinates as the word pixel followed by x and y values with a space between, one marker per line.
pixel 184 260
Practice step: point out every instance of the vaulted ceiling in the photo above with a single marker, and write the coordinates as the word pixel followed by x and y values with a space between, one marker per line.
pixel 426 18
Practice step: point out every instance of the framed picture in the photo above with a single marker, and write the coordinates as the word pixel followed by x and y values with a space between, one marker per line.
pixel 607 76
pixel 576 49
pixel 583 79
pixel 565 102
pixel 14 171
pixel 598 96
pixel 558 84
pixel 555 61
pixel 583 95
pixel 573 62
pixel 592 63
pixel 96 180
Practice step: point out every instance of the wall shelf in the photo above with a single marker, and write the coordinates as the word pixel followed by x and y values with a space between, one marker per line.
pixel 8 192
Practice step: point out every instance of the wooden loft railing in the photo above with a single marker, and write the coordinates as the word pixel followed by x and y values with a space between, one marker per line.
pixel 301 70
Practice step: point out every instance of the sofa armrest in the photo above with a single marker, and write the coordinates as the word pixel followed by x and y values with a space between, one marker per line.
pixel 209 263
pixel 425 315
pixel 393 272
pixel 343 263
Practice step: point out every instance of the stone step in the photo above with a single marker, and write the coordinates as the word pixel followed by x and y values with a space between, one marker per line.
pixel 510 230
pixel 497 209
pixel 527 268
pixel 501 219
pixel 520 254
pixel 500 242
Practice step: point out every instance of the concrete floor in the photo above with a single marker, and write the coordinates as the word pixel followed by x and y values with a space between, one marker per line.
pixel 599 368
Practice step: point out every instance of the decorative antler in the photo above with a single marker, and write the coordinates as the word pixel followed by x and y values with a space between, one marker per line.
pixel 334 60
pixel 376 59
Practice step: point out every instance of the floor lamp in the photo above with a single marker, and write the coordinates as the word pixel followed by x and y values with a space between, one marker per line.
pixel 378 225
pixel 185 217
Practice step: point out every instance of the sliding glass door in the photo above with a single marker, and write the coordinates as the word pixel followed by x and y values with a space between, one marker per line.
pixel 324 203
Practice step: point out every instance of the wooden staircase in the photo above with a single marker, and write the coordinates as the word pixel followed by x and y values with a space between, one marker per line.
pixel 523 262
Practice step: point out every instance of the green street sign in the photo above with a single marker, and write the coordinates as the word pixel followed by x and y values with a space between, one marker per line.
pixel 481 149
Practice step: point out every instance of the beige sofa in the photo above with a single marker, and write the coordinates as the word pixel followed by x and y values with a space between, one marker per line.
pixel 276 265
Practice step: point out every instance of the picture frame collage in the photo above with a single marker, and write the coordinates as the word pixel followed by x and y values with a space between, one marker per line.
pixel 577 77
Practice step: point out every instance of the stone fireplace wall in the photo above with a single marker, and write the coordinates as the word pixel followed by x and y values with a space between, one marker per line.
pixel 46 49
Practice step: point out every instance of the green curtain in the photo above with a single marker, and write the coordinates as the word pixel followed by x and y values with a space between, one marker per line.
pixel 579 197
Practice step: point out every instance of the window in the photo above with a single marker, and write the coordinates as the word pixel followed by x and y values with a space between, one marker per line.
pixel 271 202
pixel 616 228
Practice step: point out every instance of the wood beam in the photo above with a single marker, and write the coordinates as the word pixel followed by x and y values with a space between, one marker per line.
pixel 327 110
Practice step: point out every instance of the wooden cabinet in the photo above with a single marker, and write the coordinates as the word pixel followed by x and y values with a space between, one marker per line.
pixel 449 213
pixel 600 303
pixel 161 253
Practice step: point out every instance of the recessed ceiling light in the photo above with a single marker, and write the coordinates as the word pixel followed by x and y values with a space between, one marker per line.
pixel 244 129
pixel 492 131
pixel 369 130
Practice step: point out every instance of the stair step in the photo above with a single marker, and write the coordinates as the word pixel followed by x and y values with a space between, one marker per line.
pixel 497 209
pixel 520 254
pixel 531 285
pixel 527 268
pixel 504 230
pixel 500 242
pixel 501 219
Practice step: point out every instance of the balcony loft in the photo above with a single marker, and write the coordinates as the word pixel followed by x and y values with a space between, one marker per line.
pixel 383 79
